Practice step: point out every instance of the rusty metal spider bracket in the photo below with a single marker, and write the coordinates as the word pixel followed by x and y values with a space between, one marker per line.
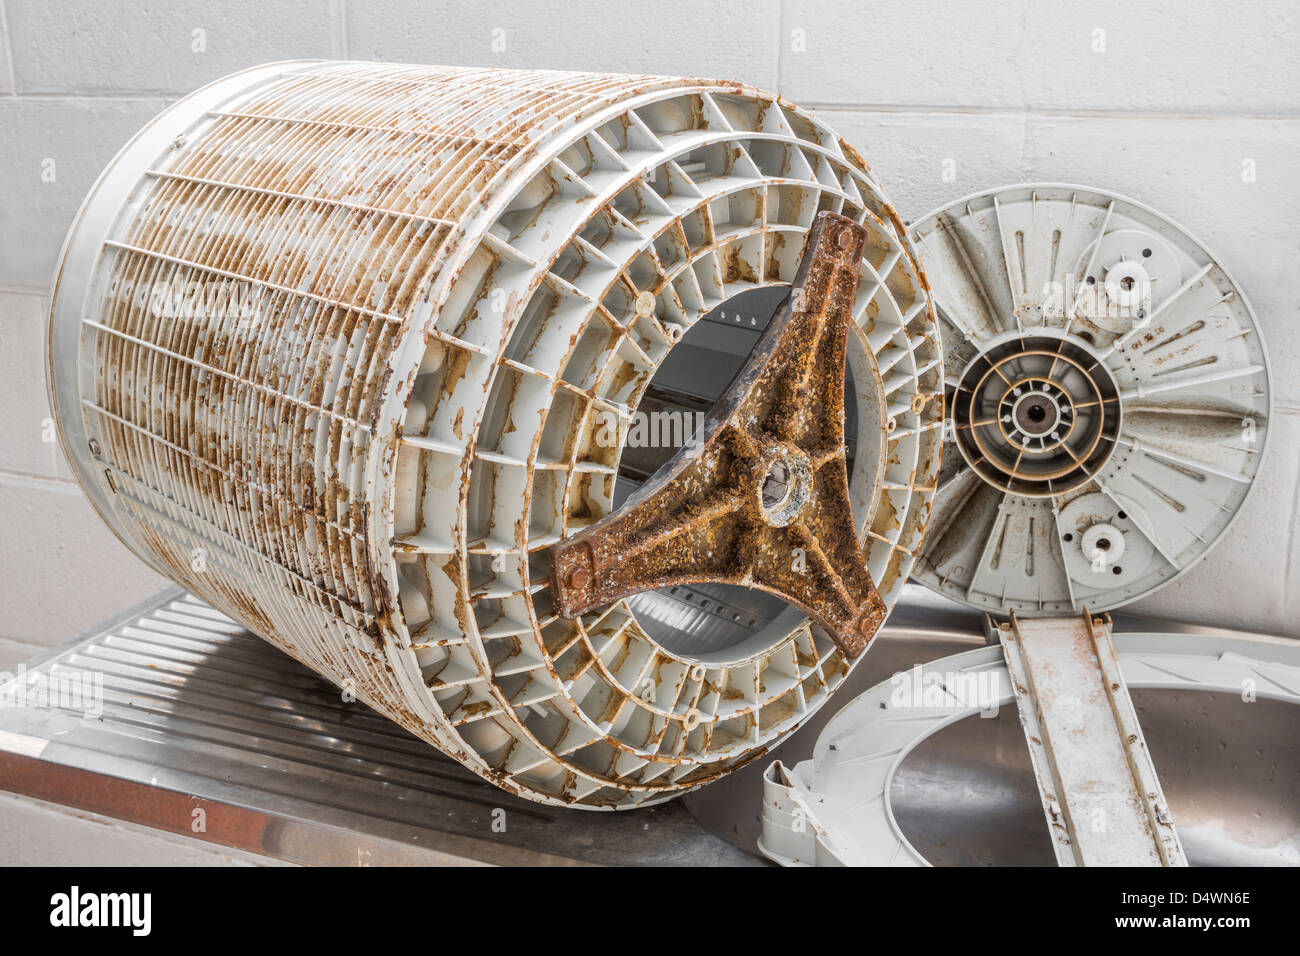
pixel 760 496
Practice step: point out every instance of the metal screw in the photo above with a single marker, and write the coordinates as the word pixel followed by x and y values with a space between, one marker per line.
pixel 844 239
pixel 578 578
pixel 94 447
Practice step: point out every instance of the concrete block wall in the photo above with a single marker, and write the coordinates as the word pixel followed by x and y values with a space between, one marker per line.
pixel 1165 101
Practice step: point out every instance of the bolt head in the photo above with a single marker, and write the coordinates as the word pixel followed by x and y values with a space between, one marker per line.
pixel 578 578
pixel 94 447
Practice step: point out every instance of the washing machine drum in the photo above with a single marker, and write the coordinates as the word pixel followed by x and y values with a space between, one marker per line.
pixel 345 348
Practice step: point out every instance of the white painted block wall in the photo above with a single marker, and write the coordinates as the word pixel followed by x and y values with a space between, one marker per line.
pixel 1164 101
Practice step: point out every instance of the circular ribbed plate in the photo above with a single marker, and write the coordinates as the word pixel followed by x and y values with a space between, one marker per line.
pixel 452 290
pixel 1108 399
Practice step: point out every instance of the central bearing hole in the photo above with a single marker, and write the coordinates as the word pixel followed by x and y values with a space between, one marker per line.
pixel 1036 415
pixel 1103 544
pixel 776 486
pixel 786 488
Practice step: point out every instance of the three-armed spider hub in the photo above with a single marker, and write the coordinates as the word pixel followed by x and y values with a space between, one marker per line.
pixel 760 496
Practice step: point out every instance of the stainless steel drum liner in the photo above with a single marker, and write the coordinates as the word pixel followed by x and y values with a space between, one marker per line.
pixel 338 346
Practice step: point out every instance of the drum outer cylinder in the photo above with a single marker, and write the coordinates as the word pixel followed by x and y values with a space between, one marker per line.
pixel 331 346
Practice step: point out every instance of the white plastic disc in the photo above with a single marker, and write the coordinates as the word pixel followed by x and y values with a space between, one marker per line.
pixel 1108 399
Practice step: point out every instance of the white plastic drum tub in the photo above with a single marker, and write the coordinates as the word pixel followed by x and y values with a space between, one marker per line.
pixel 334 345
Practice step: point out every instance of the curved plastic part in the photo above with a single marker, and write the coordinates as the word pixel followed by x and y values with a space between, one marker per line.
pixel 834 809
